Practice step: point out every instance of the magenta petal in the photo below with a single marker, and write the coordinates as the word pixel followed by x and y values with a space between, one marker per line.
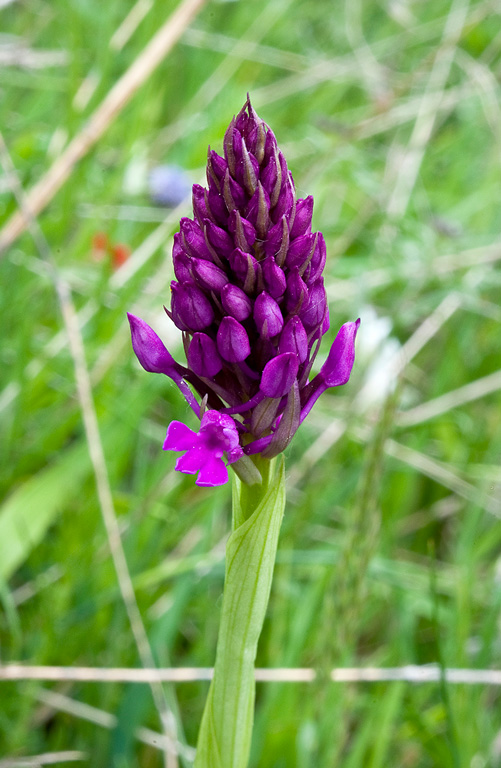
pixel 212 472
pixel 337 368
pixel 192 461
pixel 179 437
pixel 149 348
pixel 279 375
pixel 235 454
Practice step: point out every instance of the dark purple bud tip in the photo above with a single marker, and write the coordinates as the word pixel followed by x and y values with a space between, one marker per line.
pixel 300 251
pixel 279 375
pixel 302 219
pixel 337 368
pixel 219 239
pixel 191 309
pixel 297 296
pixel 267 316
pixel 232 340
pixel 182 262
pixel 149 348
pixel 294 339
pixel 194 240
pixel 246 269
pixel 208 275
pixel 203 357
pixel 315 312
pixel 236 302
pixel 274 278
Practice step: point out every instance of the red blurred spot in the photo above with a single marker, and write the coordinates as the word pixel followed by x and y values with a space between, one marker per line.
pixel 102 246
pixel 119 254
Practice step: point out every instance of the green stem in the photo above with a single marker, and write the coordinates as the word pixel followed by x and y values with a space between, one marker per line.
pixel 225 733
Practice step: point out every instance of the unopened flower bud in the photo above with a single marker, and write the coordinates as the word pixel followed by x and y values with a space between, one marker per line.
pixel 258 211
pixel 317 263
pixel 300 252
pixel 302 219
pixel 219 239
pixel 246 269
pixel 200 207
pixel 203 356
pixel 194 240
pixel 337 368
pixel 236 302
pixel 149 348
pixel 243 231
pixel 314 313
pixel 279 375
pixel 297 297
pixel 294 339
pixel 181 261
pixel 267 316
pixel 208 276
pixel 216 168
pixel 274 278
pixel 232 340
pixel 191 309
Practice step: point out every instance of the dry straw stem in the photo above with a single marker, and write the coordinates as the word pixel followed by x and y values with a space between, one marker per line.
pixel 411 673
pixel 47 758
pixel 453 399
pixel 53 700
pixel 336 428
pixel 410 163
pixel 113 103
pixel 96 452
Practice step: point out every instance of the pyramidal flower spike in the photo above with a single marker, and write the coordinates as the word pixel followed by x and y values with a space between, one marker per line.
pixel 250 300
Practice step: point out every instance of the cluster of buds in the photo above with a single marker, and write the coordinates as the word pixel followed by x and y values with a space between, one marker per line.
pixel 250 301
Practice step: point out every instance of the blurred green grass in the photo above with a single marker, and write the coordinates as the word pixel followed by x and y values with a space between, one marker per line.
pixel 389 553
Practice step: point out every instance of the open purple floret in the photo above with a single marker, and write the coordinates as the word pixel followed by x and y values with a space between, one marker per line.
pixel 204 450
pixel 250 300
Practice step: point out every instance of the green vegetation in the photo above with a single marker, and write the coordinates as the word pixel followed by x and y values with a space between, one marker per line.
pixel 390 115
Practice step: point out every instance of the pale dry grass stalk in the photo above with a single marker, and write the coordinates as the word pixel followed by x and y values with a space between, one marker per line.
pixel 337 427
pixel 120 94
pixel 410 672
pixel 124 32
pixel 246 50
pixel 138 259
pixel 54 700
pixel 96 452
pixel 47 758
pixel 17 53
pixel 443 474
pixel 425 122
pixel 214 84
pixel 457 397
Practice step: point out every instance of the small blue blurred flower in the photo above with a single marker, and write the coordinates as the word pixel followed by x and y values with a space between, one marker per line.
pixel 169 185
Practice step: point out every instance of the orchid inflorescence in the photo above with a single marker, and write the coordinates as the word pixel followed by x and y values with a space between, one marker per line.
pixel 249 298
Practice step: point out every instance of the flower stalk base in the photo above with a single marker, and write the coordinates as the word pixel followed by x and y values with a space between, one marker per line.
pixel 225 733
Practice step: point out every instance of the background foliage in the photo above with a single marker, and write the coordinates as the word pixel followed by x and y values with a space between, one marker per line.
pixel 389 114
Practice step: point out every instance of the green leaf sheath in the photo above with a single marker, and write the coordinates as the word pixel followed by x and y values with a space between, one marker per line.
pixel 225 733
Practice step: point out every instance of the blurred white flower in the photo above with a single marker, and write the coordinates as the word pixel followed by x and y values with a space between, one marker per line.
pixel 376 353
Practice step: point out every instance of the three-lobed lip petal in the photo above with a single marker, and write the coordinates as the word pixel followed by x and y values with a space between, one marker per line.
pixel 204 449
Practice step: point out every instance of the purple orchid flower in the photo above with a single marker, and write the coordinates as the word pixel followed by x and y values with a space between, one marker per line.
pixel 251 303
pixel 204 449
